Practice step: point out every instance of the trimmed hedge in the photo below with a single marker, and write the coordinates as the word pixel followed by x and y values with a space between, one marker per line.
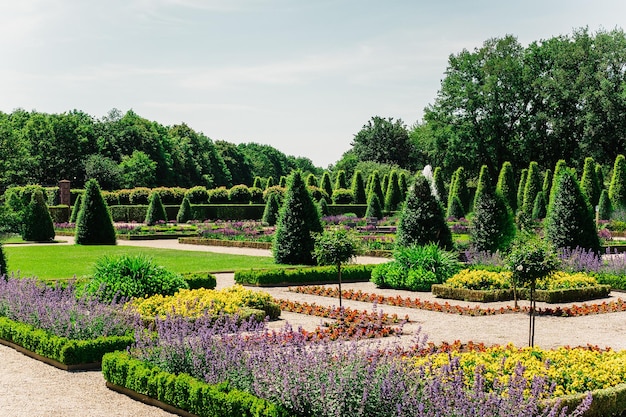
pixel 60 214
pixel 551 297
pixel 606 402
pixel 61 349
pixel 477 296
pixel 183 391
pixel 314 275
pixel 197 280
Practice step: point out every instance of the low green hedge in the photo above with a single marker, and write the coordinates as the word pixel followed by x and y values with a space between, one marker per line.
pixel 606 402
pixel 128 214
pixel 552 296
pixel 61 349
pixel 464 294
pixel 197 280
pixel 183 391
pixel 60 214
pixel 617 282
pixel 315 275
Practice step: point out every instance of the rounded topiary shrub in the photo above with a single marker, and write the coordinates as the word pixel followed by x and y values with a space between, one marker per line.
pixel 256 195
pixel 198 195
pixel 170 196
pixel 184 212
pixel 124 196
pixel 342 196
pixel 131 276
pixel 218 195
pixel 156 212
pixel 38 224
pixel 318 193
pixel 239 194
pixel 140 196
pixel 94 225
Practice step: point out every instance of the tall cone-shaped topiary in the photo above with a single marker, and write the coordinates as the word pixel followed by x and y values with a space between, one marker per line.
pixel 299 218
pixel 440 187
pixel 617 188
pixel 3 263
pixel 422 218
pixel 358 188
pixel 76 208
pixel 272 207
pixel 403 184
pixel 184 211
pixel 393 195
pixel 558 169
pixel 38 224
pixel 547 183
pixel 520 189
pixel 534 184
pixel 484 181
pixel 506 185
pixel 604 206
pixel 326 185
pixel 94 225
pixel 492 226
pixel 589 182
pixel 458 188
pixel 570 220
pixel 341 182
pixel 156 212
pixel 311 180
pixel 375 187
pixel 374 209
pixel 600 177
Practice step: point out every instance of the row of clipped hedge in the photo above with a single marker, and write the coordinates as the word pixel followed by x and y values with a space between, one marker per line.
pixel 60 349
pixel 183 391
pixel 546 296
pixel 314 275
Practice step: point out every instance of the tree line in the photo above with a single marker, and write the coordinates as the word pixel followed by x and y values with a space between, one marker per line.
pixel 126 150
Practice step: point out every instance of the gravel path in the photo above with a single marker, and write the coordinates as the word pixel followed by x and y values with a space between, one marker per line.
pixel 32 388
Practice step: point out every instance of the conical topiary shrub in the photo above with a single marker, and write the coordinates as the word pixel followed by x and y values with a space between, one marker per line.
pixel 184 211
pixel 439 187
pixel 272 208
pixel 533 185
pixel 326 185
pixel 393 195
pixel 422 218
pixel 492 226
pixel 617 188
pixel 323 207
pixel 3 263
pixel 76 208
pixel 38 224
pixel 589 182
pixel 94 225
pixel 297 221
pixel 604 206
pixel 539 208
pixel 358 188
pixel 374 210
pixel 375 187
pixel 156 212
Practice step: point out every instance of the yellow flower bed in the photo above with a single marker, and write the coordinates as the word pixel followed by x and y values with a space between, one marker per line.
pixel 195 303
pixel 477 279
pixel 572 370
pixel 564 281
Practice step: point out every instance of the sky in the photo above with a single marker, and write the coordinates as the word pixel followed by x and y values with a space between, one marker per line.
pixel 303 76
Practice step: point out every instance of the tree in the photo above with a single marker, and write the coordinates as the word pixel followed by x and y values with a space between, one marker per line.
pixel 532 186
pixel 104 170
pixel 297 221
pixel 375 187
pixel 439 186
pixel 384 141
pixel 589 182
pixel 393 196
pixel 358 188
pixel 137 170
pixel 374 209
pixel 94 225
pixel 38 224
pixel 617 188
pixel 422 218
pixel 184 211
pixel 326 185
pixel 236 162
pixel 404 186
pixel 492 226
pixel 335 247
pixel 506 185
pixel 570 220
pixel 458 190
pixel 484 181
pixel 558 169
pixel 156 211
pixel 521 185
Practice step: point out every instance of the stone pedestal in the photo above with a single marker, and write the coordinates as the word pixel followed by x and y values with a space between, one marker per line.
pixel 65 197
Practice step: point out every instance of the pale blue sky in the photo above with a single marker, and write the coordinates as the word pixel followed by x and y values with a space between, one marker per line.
pixel 301 75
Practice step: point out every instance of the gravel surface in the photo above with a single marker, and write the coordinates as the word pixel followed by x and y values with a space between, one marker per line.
pixel 32 388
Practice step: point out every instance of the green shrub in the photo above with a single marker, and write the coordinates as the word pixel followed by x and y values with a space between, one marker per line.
pixel 132 276
pixel 124 197
pixel 282 181
pixel 198 195
pixel 128 214
pixel 3 262
pixel 604 206
pixel 156 211
pixel 256 195
pixel 539 207
pixel 374 209
pixel 272 208
pixel 532 186
pixel 280 191
pixel 484 180
pixel 301 276
pixel 239 194
pixel 323 207
pixel 358 188
pixel 111 198
pixel 558 170
pixel 318 193
pixel 404 186
pixel 170 196
pixel 140 195
pixel 297 221
pixel 617 188
pixel 376 188
pixel 589 182
pixel 341 181
pixel 184 211
pixel 520 189
pixel 38 224
pixel 342 196
pixel 393 195
pixel 547 183
pixel 76 208
pixel 218 195
pixel 455 208
pixel 326 185
pixel 311 179
pixel 439 187
pixel 270 182
pixel 458 187
pixel 196 280
pixel 257 183
pixel 600 176
pixel 422 219
pixel 59 214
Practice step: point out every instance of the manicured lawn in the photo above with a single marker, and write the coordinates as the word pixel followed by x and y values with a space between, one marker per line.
pixel 67 261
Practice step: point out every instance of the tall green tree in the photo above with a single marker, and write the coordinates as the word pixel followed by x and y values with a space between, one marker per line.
pixel 94 225
pixel 236 162
pixel 384 141
pixel 325 184
pixel 589 182
pixel 298 220
pixel 506 185
pixel 440 187
pixel 532 186
pixel 393 195
pixel 617 188
pixel 137 170
pixel 358 188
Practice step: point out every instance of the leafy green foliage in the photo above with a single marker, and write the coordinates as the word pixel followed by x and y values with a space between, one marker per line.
pixel 570 221
pixel 374 209
pixel 239 194
pixel 375 187
pixel 422 219
pixel 440 187
pixel 323 207
pixel 342 196
pixel 156 212
pixel 393 196
pixel 137 170
pixel 558 170
pixel 492 226
pixel 140 195
pixel 455 208
pixel 532 186
pixel 458 187
pixel 257 182
pixel 384 141
pixel 531 258
pixel 340 180
pixel 319 274
pixel 617 188
pixel 272 207
pixel 326 185
pixel 218 195
pixel 131 276
pixel 297 221
pixel 269 183
pixel 76 208
pixel 184 211
pixel 484 181
pixel 604 206
pixel 521 185
pixel 94 225
pixel 358 188
pixel 311 179
pixel 600 176
pixel 403 184
pixel 38 224
pixel 547 183
pixel 3 262
pixel 506 185
pixel 539 208
pixel 589 182
pixel 335 247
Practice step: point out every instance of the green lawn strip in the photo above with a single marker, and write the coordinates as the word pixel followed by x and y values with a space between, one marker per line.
pixel 63 261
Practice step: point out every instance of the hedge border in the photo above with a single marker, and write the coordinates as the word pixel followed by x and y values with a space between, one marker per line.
pixel 303 276
pixel 465 294
pixel 223 242
pixel 61 352
pixel 550 297
pixel 145 381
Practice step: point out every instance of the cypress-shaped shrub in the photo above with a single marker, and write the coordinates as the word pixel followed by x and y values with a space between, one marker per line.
pixel 570 221
pixel 393 196
pixel 184 211
pixel 76 208
pixel 384 184
pixel 323 207
pixel 375 187
pixel 270 182
pixel 558 169
pixel 94 225
pixel 374 209
pixel 358 188
pixel 493 226
pixel 506 185
pixel 589 182
pixel 404 186
pixel 326 185
pixel 539 207
pixel 198 195
pixel 600 176
pixel 311 179
pixel 156 212
pixel 547 183
pixel 439 187
pixel 282 181
pixel 604 205
pixel 459 188
pixel 484 181
pixel 422 218
pixel 520 189
pixel 38 224
pixel 3 263
pixel 532 186
pixel 239 194
pixel 297 221
pixel 341 182
pixel 342 196
pixel 455 208
pixel 272 207
pixel 257 183
pixel 617 188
